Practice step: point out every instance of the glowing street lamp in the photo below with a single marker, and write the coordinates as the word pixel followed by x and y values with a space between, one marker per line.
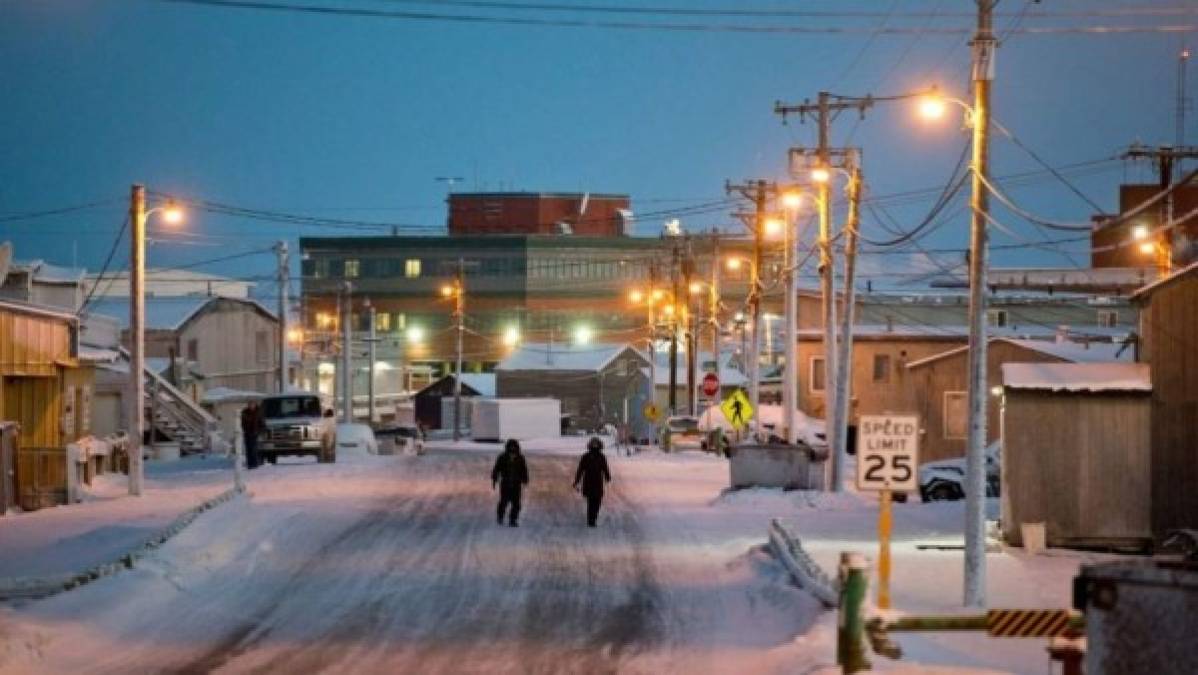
pixel 774 227
pixel 511 336
pixel 820 175
pixel 932 107
pixel 583 335
pixel 1140 233
pixel 414 334
pixel 695 288
pixel 636 297
pixel 792 200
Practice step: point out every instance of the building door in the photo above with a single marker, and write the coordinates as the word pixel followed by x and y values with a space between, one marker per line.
pixel 35 404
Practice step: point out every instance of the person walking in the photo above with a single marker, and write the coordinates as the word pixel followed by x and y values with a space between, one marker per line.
pixel 510 475
pixel 252 424
pixel 592 474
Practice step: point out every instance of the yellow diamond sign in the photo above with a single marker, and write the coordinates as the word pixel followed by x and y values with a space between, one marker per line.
pixel 737 409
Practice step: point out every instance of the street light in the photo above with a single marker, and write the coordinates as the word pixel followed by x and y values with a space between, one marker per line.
pixel 583 335
pixel 172 214
pixel 774 227
pixel 820 175
pixel 511 336
pixel 414 334
pixel 636 297
pixel 792 200
pixel 695 288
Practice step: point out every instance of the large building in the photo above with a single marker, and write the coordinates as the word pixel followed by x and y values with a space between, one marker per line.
pixel 1114 243
pixel 582 214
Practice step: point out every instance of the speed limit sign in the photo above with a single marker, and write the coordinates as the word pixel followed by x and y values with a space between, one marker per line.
pixel 887 452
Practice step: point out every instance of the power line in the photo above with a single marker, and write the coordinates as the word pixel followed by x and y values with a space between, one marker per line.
pixel 34 215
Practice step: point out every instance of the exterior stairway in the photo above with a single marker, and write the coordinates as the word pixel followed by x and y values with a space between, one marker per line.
pixel 177 417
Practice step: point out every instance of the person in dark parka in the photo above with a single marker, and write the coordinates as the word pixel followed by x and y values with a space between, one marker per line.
pixel 510 475
pixel 252 424
pixel 592 474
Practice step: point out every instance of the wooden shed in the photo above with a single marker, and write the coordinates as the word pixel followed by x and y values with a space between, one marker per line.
pixel 46 393
pixel 1075 453
pixel 1169 345
pixel 430 405
pixel 939 386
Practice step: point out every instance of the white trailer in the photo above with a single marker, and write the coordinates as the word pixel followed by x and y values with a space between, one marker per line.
pixel 499 419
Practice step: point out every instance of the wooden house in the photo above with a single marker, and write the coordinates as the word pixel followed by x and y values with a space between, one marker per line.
pixel 434 403
pixel 596 384
pixel 46 393
pixel 939 391
pixel 1169 345
pixel 1075 452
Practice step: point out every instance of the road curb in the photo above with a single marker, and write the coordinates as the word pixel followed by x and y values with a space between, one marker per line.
pixel 806 572
pixel 34 588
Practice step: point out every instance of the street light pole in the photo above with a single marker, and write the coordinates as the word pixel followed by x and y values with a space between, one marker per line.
pixel 347 373
pixel 283 276
pixel 135 406
pixel 459 315
pixel 844 356
pixel 975 453
pixel 789 369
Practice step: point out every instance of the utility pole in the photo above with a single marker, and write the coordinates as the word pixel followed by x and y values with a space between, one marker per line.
pixel 673 315
pixel 371 341
pixel 984 45
pixel 758 191
pixel 459 315
pixel 789 313
pixel 824 110
pixel 135 405
pixel 347 373
pixel 714 298
pixel 692 340
pixel 283 277
pixel 844 357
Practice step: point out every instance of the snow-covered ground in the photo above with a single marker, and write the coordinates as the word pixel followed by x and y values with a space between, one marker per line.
pixel 395 564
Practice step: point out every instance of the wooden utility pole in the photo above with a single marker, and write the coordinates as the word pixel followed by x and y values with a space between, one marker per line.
pixel 135 405
pixel 984 45
pixel 347 342
pixel 758 191
pixel 283 277
pixel 824 110
pixel 689 325
pixel 673 315
pixel 459 314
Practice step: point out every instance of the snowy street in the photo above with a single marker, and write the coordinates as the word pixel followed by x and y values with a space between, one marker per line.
pixel 380 564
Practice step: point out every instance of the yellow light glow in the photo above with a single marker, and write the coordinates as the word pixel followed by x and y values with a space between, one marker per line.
pixel 1140 232
pixel 295 335
pixel 792 199
pixel 820 175
pixel 172 214
pixel 658 294
pixel 415 334
pixel 1147 248
pixel 996 391
pixel 740 316
pixel 733 264
pixel 583 335
pixel 669 310
pixel 323 320
pixel 447 291
pixel 511 336
pixel 773 227
pixel 636 297
pixel 931 107
pixel 695 288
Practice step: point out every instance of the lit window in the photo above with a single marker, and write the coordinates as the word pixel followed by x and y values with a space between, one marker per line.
pixel 411 268
pixel 352 268
pixel 382 322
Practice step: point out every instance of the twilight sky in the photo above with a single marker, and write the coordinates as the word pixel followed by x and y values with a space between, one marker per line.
pixel 354 117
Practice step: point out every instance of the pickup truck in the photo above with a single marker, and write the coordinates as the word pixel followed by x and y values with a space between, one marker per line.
pixel 297 426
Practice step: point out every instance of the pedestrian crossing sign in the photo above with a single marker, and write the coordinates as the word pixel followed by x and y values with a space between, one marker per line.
pixel 737 409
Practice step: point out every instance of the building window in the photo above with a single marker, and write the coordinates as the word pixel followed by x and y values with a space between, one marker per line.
pixel 1108 318
pixel 411 268
pixel 956 415
pixel 262 347
pixel 996 317
pixel 352 268
pixel 193 350
pixel 881 368
pixel 816 376
pixel 382 322
pixel 401 321
pixel 320 268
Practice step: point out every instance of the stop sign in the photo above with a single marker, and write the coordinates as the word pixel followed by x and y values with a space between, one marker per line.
pixel 711 385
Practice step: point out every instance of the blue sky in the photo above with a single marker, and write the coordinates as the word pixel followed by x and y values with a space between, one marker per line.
pixel 355 117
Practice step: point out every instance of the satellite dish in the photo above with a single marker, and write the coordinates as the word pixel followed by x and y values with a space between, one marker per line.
pixel 5 259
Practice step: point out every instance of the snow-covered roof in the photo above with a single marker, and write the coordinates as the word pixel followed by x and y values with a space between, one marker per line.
pixel 1077 377
pixel 1148 290
pixel 1077 352
pixel 165 313
pixel 899 331
pixel 730 375
pixel 44 272
pixel 541 356
pixel 39 310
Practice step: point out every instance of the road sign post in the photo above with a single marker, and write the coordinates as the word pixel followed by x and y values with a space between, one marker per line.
pixel 887 459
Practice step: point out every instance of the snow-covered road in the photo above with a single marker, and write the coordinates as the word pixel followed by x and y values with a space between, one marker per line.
pixel 397 565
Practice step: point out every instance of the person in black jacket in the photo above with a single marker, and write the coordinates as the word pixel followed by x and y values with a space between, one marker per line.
pixel 511 475
pixel 592 474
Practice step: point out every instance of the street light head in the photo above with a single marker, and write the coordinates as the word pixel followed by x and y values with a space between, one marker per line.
pixel 447 291
pixel 1140 233
pixel 172 214
pixel 932 107
pixel 733 264
pixel 1147 248
pixel 792 199
pixel 583 335
pixel 820 175
pixel 415 334
pixel 511 336
pixel 295 336
pixel 773 227
pixel 695 288
pixel 636 297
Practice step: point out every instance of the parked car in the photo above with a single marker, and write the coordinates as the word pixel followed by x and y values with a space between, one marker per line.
pixel 944 480
pixel 296 426
pixel 401 439
pixel 353 436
